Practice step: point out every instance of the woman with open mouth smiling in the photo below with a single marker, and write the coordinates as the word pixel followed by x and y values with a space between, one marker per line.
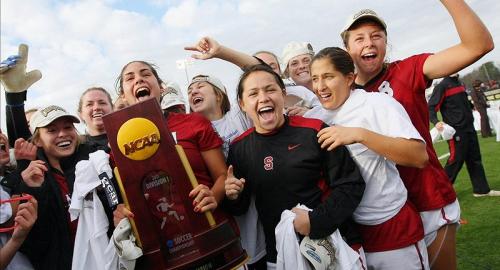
pixel 281 164
pixel 207 96
pixel 379 134
pixel 429 189
pixel 139 81
pixel 50 180
pixel 94 103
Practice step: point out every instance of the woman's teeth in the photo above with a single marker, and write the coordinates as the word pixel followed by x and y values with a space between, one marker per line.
pixel 64 144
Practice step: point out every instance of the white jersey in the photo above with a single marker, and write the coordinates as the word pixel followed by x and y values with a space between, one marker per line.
pixel 385 193
pixel 93 247
pixel 229 127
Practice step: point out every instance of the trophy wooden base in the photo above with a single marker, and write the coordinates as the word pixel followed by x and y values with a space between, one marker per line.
pixel 228 256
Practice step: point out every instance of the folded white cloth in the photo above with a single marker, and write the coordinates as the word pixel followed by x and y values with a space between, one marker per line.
pixel 124 242
pixel 434 134
pixel 95 250
pixel 331 252
pixel 447 133
pixel 287 244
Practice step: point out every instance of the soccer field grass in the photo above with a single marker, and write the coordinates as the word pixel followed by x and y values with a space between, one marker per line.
pixel 478 241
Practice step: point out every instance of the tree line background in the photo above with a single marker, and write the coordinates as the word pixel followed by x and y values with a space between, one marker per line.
pixel 486 72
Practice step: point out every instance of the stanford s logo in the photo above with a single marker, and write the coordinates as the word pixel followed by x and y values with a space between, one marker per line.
pixel 268 163
pixel 385 87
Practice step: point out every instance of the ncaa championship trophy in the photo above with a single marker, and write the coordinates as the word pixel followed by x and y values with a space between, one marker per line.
pixel 155 178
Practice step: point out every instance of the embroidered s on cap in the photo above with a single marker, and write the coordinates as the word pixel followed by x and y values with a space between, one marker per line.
pixel 47 115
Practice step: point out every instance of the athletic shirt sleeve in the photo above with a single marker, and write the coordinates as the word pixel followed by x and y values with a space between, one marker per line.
pixel 416 64
pixel 205 134
pixel 393 120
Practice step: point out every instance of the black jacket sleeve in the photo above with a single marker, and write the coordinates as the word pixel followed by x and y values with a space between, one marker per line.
pixel 346 190
pixel 17 126
pixel 435 99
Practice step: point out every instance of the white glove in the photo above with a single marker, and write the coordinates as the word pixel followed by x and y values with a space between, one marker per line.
pixel 14 77
pixel 125 241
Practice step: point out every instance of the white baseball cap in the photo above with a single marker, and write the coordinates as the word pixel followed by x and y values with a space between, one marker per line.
pixel 293 49
pixel 364 13
pixel 47 115
pixel 209 79
pixel 171 96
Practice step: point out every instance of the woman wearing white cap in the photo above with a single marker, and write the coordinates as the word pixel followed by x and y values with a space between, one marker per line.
pixel 50 180
pixel 50 177
pixel 296 59
pixel 365 38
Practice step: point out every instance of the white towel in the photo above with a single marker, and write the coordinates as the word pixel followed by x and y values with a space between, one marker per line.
pixel 293 256
pixel 93 247
pixel 446 134
pixel 287 245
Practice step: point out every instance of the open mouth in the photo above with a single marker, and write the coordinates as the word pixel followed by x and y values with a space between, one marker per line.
pixel 142 93
pixel 369 56
pixel 266 113
pixel 97 115
pixel 197 100
pixel 325 96
pixel 63 144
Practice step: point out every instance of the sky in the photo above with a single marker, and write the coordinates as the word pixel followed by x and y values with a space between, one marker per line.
pixel 78 44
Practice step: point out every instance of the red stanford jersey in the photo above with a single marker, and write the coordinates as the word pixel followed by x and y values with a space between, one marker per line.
pixel 428 188
pixel 195 134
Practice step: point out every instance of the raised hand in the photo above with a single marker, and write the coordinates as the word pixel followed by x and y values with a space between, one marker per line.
pixel 24 150
pixel 34 175
pixel 204 199
pixel 233 185
pixel 13 72
pixel 207 48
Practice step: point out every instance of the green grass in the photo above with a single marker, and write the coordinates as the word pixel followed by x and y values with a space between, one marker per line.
pixel 478 242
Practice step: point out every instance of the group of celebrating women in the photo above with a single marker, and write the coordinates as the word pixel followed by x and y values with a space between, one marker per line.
pixel 345 135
